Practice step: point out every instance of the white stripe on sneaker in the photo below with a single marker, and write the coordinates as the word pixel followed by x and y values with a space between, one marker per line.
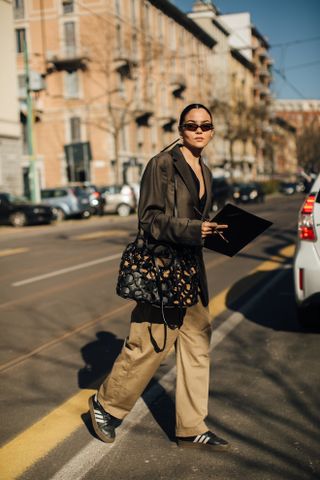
pixel 197 438
pixel 207 439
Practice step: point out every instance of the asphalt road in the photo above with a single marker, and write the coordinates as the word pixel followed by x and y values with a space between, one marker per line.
pixel 62 326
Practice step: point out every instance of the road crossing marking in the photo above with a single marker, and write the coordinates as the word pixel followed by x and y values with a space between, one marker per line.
pixel 44 435
pixel 13 251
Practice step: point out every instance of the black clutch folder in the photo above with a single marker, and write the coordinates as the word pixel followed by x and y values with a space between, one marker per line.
pixel 243 227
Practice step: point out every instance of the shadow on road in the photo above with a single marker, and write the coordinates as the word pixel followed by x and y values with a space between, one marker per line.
pixel 242 292
pixel 99 357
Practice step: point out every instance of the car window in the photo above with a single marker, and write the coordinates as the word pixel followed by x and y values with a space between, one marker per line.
pixel 80 192
pixel 54 193
pixel 46 193
pixel 60 193
pixel 112 189
pixel 15 199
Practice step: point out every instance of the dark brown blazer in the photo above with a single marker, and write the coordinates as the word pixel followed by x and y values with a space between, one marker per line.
pixel 156 205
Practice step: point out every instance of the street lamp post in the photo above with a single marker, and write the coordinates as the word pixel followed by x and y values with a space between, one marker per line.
pixel 33 174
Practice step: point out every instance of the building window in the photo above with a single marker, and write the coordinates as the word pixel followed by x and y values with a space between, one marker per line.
pixel 118 7
pixel 75 129
pixel 18 9
pixel 160 26
pixel 147 18
pixel 119 38
pixel 123 136
pixel 20 39
pixel 150 89
pixel 122 87
pixel 24 138
pixel 71 83
pixel 69 38
pixel 134 47
pixel 67 6
pixel 22 86
pixel 173 38
pixel 133 12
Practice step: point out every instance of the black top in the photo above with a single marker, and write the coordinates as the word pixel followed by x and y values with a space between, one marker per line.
pixel 203 199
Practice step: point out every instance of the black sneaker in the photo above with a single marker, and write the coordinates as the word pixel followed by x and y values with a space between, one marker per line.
pixel 206 440
pixel 103 423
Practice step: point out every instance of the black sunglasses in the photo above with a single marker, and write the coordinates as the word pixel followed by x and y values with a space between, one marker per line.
pixel 192 127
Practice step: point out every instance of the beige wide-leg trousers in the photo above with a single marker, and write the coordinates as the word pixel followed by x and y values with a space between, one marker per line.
pixel 138 361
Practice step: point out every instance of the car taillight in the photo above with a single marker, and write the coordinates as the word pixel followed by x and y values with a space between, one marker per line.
pixel 305 224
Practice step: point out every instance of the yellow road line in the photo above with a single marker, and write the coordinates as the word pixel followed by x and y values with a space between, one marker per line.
pixel 101 234
pixel 12 251
pixel 39 439
pixel 43 436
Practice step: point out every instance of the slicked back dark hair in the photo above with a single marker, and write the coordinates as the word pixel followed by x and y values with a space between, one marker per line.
pixel 192 106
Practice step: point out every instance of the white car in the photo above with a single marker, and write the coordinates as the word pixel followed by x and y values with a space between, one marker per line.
pixel 307 257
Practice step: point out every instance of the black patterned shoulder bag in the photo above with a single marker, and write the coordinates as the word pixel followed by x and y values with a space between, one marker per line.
pixel 162 274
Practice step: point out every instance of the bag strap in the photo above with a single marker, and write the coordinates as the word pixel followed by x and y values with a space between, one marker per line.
pixel 168 146
pixel 157 272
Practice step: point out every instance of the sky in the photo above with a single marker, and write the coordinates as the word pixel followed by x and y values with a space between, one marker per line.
pixel 282 21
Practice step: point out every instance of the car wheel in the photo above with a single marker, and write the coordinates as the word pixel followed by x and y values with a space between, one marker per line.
pixel 18 219
pixel 123 210
pixel 60 215
pixel 86 214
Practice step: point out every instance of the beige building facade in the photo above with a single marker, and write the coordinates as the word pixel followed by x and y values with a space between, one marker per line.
pixel 284 149
pixel 116 75
pixel 232 97
pixel 10 141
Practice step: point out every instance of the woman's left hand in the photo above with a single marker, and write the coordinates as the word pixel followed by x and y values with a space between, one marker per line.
pixel 209 228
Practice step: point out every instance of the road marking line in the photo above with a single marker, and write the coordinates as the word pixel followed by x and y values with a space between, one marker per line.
pixel 66 270
pixel 101 234
pixel 13 251
pixel 44 435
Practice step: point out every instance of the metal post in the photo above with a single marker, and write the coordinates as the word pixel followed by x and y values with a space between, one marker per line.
pixel 33 174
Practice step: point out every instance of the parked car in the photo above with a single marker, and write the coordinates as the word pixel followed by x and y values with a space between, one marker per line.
pixel 18 211
pixel 287 188
pixel 248 193
pixel 221 192
pixel 306 263
pixel 119 199
pixel 67 202
pixel 96 200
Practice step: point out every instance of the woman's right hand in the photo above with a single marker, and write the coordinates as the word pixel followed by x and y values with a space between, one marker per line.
pixel 209 228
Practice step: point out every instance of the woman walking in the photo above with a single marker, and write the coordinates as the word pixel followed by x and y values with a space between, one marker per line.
pixel 177 177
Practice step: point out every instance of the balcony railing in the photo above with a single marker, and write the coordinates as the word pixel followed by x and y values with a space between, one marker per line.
pixel 166 119
pixel 142 112
pixel 68 59
pixel 124 62
pixel 178 85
